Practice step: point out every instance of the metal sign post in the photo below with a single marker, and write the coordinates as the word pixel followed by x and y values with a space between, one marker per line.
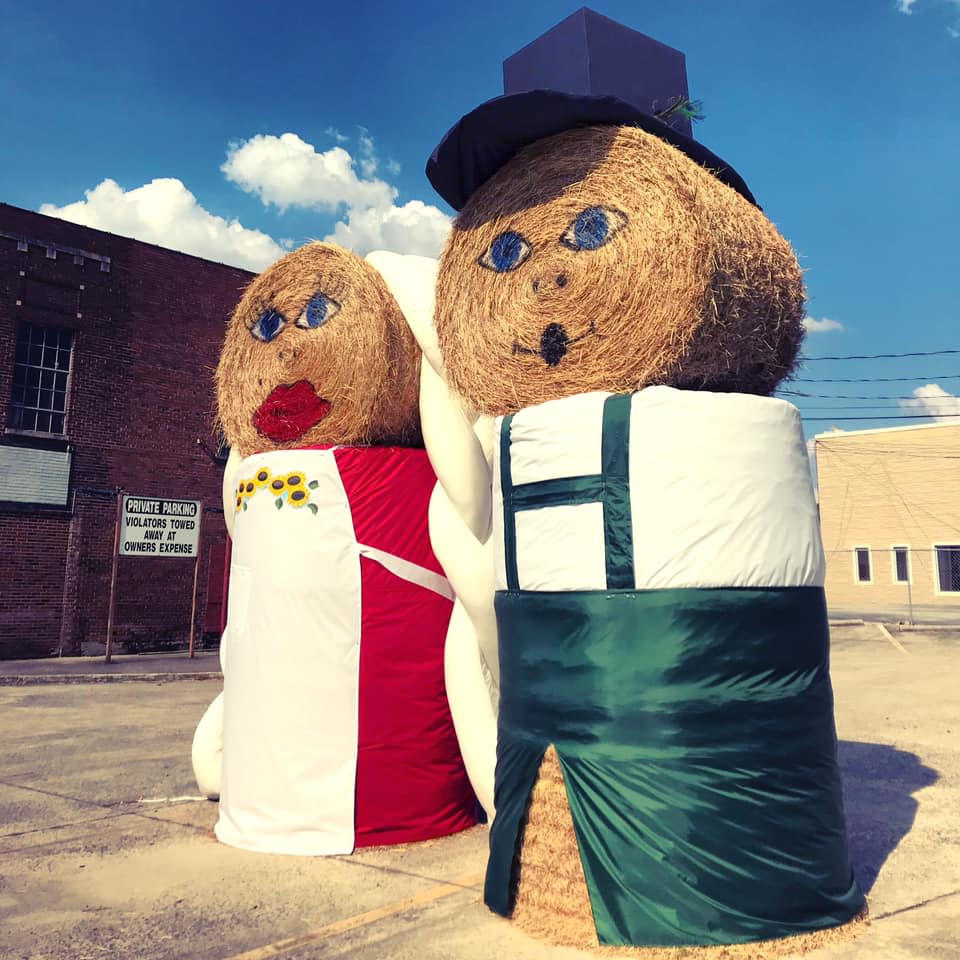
pixel 909 588
pixel 113 575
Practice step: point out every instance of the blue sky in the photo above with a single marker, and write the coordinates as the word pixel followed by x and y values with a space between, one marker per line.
pixel 234 131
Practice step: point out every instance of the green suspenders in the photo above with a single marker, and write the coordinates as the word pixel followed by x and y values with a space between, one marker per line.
pixel 611 487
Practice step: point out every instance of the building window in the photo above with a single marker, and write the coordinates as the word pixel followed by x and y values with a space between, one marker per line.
pixel 862 558
pixel 901 564
pixel 41 375
pixel 948 568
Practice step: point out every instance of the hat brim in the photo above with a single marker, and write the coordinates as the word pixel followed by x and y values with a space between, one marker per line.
pixel 484 140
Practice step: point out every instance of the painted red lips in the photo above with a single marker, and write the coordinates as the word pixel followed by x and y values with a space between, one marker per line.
pixel 290 411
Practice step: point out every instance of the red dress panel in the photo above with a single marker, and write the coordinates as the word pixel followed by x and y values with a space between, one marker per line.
pixel 411 781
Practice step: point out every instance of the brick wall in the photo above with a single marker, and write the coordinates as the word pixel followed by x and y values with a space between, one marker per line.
pixel 885 488
pixel 32 557
pixel 147 324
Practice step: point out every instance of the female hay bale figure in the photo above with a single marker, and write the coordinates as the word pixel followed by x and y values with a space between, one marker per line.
pixel 336 729
pixel 666 767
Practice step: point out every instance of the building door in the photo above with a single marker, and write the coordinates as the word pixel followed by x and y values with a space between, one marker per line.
pixel 215 615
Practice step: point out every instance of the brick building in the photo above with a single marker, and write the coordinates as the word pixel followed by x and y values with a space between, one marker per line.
pixel 890 517
pixel 107 349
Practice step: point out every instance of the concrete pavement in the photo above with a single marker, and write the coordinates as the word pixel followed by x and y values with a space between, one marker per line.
pixel 205 665
pixel 99 858
pixel 946 614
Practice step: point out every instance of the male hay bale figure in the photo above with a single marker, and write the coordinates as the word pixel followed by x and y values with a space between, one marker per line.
pixel 666 767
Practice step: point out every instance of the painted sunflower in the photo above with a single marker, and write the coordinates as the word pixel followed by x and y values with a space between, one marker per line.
pixel 298 497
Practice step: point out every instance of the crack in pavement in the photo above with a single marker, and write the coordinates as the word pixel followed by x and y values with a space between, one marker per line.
pixel 113 806
pixel 916 906
pixel 351 860
pixel 61 796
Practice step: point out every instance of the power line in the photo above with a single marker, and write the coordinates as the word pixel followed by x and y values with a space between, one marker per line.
pixel 876 406
pixel 847 396
pixel 851 454
pixel 916 416
pixel 885 356
pixel 865 450
pixel 943 376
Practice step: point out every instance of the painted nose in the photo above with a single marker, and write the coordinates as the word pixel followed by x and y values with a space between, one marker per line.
pixel 553 344
pixel 544 283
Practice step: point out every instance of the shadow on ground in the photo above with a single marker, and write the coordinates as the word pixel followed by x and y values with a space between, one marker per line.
pixel 878 786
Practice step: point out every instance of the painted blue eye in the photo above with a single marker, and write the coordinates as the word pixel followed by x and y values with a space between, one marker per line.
pixel 506 252
pixel 268 326
pixel 593 228
pixel 317 312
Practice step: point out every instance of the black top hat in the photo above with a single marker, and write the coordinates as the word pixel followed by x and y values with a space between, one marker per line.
pixel 587 70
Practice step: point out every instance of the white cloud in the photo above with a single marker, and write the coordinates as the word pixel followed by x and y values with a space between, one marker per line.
pixel 906 6
pixel 368 156
pixel 336 134
pixel 286 171
pixel 415 227
pixel 824 325
pixel 932 399
pixel 812 456
pixel 165 212
pixel 812 442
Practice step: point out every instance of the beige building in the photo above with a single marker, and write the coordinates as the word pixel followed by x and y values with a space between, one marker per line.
pixel 890 517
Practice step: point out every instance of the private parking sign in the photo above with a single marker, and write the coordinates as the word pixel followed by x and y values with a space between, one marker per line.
pixel 159 528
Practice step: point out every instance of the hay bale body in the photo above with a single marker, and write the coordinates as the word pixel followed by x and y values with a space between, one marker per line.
pixel 694 288
pixel 351 357
pixel 604 259
pixel 553 903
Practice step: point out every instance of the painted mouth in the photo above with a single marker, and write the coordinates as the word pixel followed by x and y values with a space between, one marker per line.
pixel 290 411
pixel 555 342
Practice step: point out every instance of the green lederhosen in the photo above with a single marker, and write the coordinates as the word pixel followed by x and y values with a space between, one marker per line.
pixel 695 733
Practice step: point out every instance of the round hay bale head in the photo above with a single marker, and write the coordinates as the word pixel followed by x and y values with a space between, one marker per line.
pixel 552 902
pixel 604 259
pixel 318 352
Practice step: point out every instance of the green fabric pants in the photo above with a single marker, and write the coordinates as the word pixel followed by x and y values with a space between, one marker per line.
pixel 696 737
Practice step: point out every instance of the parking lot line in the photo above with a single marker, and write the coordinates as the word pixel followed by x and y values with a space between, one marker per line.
pixel 889 636
pixel 281 947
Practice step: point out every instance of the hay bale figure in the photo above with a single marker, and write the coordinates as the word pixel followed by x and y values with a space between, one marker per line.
pixel 336 728
pixel 666 769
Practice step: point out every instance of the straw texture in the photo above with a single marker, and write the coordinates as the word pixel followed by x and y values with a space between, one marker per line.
pixel 694 288
pixel 552 902
pixel 359 360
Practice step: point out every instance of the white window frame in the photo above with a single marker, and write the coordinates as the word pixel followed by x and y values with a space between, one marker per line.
pixel 936 570
pixel 894 547
pixel 19 431
pixel 856 564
